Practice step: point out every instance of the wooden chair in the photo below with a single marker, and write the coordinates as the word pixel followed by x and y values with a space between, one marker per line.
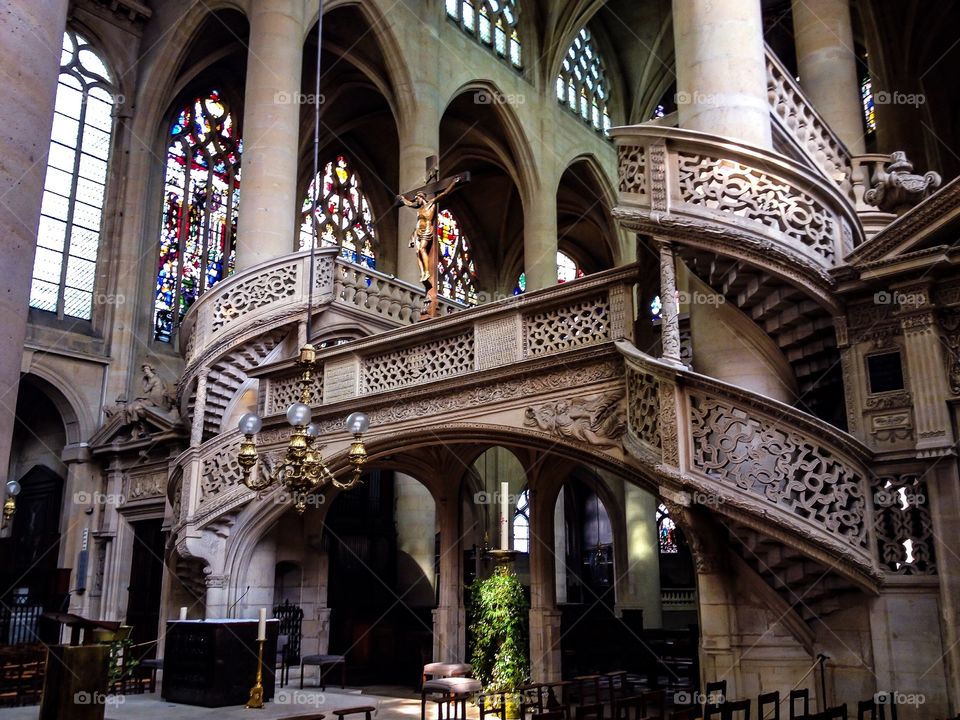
pixel 628 708
pixel 289 638
pixel 654 703
pixel 593 711
pixel 716 692
pixel 872 710
pixel 736 710
pixel 835 713
pixel 803 696
pixel 691 713
pixel 768 706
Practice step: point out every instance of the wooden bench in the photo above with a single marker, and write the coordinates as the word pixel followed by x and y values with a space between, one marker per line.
pixel 365 709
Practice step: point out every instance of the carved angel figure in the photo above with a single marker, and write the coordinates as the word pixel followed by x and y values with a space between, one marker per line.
pixel 595 419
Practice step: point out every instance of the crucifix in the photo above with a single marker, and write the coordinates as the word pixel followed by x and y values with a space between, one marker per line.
pixel 425 200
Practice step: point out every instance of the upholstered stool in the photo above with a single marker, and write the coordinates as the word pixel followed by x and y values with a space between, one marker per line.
pixel 444 670
pixel 456 690
pixel 324 661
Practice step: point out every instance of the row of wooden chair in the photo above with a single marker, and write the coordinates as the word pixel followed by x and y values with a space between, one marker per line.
pixel 21 674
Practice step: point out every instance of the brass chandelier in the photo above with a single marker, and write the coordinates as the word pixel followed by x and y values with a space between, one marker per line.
pixel 301 470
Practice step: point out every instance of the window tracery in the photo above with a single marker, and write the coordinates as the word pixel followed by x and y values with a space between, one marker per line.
pixel 343 215
pixel 200 209
pixel 71 213
pixel 582 83
pixel 492 23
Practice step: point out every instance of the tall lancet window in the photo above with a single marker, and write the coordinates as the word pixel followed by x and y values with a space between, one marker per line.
pixel 458 273
pixel 201 202
pixel 343 215
pixel 65 267
pixel 492 23
pixel 582 83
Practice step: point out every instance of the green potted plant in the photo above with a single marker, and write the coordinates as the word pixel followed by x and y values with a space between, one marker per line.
pixel 498 624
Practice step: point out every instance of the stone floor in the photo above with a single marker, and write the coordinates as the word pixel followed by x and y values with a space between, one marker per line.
pixel 289 704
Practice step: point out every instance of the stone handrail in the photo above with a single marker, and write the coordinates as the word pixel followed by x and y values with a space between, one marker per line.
pixel 594 310
pixel 804 128
pixel 701 189
pixel 678 598
pixel 278 290
pixel 738 451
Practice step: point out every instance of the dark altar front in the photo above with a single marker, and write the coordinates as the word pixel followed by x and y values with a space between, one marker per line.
pixel 213 663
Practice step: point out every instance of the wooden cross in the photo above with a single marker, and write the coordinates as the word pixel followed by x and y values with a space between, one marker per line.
pixel 424 236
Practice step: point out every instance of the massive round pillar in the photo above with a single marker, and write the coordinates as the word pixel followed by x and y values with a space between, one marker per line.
pixel 721 69
pixel 828 66
pixel 31 35
pixel 271 128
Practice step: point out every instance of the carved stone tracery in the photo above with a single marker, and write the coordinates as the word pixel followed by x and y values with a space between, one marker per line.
pixel 903 526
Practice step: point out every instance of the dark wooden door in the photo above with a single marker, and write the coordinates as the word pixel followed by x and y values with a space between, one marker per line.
pixel 146 580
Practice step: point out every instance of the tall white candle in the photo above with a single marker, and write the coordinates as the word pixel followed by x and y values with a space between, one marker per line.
pixel 504 515
pixel 262 629
pixel 183 613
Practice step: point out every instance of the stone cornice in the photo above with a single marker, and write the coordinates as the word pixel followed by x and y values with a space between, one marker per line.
pixel 926 218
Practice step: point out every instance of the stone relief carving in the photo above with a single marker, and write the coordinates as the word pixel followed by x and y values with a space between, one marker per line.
pixel 669 432
pixel 156 394
pixel 246 296
pixel 748 193
pixel 898 189
pixel 142 487
pixel 892 401
pixel 658 176
pixel 643 408
pixel 891 427
pixel 784 467
pixel 903 526
pixel 950 322
pixel 595 419
pixel 632 169
pixel 583 323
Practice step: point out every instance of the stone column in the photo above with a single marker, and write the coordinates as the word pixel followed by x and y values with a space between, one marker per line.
pixel 721 69
pixel 31 35
pixel 669 312
pixel 924 364
pixel 544 616
pixel 643 557
pixel 419 139
pixel 199 406
pixel 271 131
pixel 448 618
pixel 540 241
pixel 828 66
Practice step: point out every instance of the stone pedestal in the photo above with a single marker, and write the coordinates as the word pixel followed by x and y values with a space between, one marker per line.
pixel 721 69
pixel 271 131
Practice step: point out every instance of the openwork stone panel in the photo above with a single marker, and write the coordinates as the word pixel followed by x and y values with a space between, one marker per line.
pixel 643 408
pixel 220 472
pixel 903 526
pixel 797 118
pixel 285 391
pixel 753 195
pixel 781 466
pixel 585 322
pixel 422 363
pixel 632 169
pixel 257 292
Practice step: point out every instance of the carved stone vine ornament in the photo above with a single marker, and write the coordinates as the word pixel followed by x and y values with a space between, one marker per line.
pixel 898 189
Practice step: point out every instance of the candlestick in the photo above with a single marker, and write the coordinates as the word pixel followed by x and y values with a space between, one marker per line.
pixel 262 627
pixel 183 613
pixel 256 692
pixel 504 515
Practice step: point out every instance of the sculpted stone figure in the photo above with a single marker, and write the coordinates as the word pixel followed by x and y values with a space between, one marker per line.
pixel 155 394
pixel 597 419
pixel 425 232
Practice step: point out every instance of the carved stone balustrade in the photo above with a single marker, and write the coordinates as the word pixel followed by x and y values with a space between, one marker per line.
pixel 277 292
pixel 745 455
pixel 705 192
pixel 800 132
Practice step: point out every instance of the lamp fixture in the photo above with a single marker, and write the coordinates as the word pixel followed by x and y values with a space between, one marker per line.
pixel 10 505
pixel 302 470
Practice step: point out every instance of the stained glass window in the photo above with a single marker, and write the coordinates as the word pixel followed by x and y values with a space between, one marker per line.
pixel 343 215
pixel 567 268
pixel 521 284
pixel 869 111
pixel 521 523
pixel 656 308
pixel 64 269
pixel 658 112
pixel 455 265
pixel 582 83
pixel 492 23
pixel 666 530
pixel 201 200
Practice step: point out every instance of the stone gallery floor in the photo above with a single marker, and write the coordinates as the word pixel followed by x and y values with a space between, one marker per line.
pixel 290 703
